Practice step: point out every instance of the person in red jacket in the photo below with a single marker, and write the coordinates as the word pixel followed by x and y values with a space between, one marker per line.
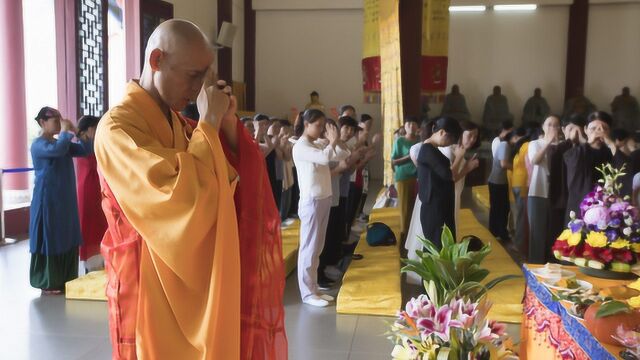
pixel 92 221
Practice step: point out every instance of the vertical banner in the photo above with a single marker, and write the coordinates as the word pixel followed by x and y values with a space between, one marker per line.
pixel 391 94
pixel 371 53
pixel 435 49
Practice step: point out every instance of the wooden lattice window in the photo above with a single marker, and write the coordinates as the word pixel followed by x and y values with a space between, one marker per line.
pixel 91 50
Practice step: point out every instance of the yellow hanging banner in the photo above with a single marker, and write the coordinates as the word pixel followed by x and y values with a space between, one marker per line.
pixel 371 52
pixel 391 78
pixel 435 49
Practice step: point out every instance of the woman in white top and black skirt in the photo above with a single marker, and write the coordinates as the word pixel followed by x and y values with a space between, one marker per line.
pixel 312 156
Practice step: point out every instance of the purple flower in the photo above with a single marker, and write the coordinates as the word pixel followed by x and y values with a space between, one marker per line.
pixel 576 226
pixel 596 216
pixel 619 206
pixel 463 313
pixel 420 307
pixel 438 325
pixel 612 234
pixel 497 329
pixel 615 222
pixel 484 333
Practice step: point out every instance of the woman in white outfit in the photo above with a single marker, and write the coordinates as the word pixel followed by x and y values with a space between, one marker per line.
pixel 312 158
pixel 460 169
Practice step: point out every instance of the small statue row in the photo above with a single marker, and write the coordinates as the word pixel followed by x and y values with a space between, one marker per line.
pixel 625 109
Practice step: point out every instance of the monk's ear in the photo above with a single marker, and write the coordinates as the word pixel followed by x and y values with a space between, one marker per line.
pixel 155 58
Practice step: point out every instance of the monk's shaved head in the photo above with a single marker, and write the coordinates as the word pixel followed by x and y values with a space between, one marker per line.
pixel 177 58
pixel 175 36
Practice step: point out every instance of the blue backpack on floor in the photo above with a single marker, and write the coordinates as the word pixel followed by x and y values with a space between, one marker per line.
pixel 379 234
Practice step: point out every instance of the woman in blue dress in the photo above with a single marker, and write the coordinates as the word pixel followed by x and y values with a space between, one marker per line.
pixel 54 226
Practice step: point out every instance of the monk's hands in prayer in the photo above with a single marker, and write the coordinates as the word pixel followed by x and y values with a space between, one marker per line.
pixel 214 100
pixel 230 115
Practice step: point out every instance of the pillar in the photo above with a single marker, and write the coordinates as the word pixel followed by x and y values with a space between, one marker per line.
pixel 13 116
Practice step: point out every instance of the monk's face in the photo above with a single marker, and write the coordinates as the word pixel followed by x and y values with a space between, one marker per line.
pixel 182 74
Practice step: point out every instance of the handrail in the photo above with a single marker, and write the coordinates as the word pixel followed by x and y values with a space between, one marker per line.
pixel 15 170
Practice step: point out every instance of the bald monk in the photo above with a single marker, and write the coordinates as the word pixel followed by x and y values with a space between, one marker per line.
pixel 172 249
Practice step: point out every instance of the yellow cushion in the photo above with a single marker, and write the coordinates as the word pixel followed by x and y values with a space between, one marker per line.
pixel 290 241
pixel 88 287
pixel 372 285
pixel 506 297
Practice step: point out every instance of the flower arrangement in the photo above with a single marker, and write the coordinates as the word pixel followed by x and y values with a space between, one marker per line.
pixel 458 330
pixel 450 320
pixel 606 235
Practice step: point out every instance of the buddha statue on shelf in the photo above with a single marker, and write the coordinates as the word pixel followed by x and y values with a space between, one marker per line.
pixel 496 111
pixel 315 102
pixel 536 109
pixel 625 111
pixel 578 105
pixel 455 105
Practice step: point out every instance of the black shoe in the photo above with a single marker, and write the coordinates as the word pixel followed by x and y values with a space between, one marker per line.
pixel 326 285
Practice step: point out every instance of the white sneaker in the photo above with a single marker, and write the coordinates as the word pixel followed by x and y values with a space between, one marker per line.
pixel 327 297
pixel 357 228
pixel 333 273
pixel 315 300
pixel 288 221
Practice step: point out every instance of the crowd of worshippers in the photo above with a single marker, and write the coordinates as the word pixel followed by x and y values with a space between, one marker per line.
pixel 548 164
pixel 549 169
pixel 317 167
pixel 318 172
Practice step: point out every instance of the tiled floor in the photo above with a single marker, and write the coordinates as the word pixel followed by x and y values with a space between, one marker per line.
pixel 50 328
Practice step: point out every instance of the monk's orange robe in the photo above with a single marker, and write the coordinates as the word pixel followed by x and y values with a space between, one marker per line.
pixel 171 251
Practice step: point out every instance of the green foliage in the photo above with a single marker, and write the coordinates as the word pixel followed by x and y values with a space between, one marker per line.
pixel 610 176
pixel 611 308
pixel 452 271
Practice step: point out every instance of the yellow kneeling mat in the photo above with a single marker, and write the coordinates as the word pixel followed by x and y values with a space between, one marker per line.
pixel 91 286
pixel 371 286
